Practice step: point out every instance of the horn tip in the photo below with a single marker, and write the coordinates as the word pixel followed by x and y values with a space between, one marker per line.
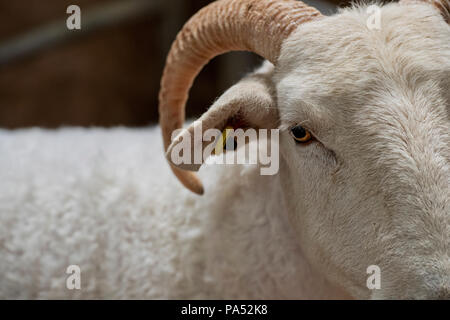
pixel 189 180
pixel 199 190
pixel 194 185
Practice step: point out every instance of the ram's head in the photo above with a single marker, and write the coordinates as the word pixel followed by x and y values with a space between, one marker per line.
pixel 371 186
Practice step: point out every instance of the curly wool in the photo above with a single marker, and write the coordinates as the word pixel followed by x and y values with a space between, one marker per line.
pixel 105 200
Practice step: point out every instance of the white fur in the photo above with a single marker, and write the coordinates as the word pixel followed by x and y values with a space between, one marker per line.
pixel 374 188
pixel 105 200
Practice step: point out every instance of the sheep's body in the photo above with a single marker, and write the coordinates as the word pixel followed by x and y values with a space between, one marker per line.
pixel 371 189
pixel 98 199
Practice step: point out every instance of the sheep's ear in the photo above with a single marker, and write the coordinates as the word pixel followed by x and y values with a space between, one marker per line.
pixel 248 104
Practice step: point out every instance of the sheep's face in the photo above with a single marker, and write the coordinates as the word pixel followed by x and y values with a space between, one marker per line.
pixel 373 187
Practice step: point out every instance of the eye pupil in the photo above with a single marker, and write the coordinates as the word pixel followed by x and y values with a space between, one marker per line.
pixel 299 132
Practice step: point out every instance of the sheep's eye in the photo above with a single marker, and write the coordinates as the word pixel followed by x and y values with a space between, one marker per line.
pixel 300 134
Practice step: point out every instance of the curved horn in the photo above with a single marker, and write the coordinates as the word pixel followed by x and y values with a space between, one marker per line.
pixel 259 26
pixel 441 5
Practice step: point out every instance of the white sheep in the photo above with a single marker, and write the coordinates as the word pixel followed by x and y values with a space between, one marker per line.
pixel 370 187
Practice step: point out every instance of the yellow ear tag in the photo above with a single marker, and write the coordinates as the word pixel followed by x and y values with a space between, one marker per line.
pixel 222 141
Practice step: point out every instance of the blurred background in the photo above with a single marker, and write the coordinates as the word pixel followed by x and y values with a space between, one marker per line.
pixel 107 73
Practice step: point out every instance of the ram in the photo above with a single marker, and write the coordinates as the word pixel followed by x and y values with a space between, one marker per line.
pixel 363 112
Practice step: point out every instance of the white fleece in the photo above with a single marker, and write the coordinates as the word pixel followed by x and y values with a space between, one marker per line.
pixel 105 200
pixel 371 189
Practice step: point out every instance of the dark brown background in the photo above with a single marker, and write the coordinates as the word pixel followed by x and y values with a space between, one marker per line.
pixel 105 78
